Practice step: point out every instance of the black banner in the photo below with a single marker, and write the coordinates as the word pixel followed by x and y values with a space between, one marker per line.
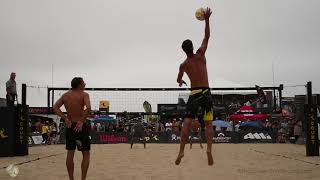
pixel 155 137
pixel 171 138
pixel 312 139
pixel 21 131
pixel 13 131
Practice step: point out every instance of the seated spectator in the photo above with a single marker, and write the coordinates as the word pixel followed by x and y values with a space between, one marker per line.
pixel 297 130
pixel 175 127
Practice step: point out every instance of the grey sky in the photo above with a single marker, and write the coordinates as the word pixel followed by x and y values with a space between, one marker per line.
pixel 117 43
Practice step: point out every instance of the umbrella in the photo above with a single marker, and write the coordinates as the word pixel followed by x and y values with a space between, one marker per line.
pixel 246 109
pixel 247 113
pixel 220 123
pixel 250 117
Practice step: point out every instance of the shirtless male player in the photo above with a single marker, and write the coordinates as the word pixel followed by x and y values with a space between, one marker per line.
pixel 77 104
pixel 195 67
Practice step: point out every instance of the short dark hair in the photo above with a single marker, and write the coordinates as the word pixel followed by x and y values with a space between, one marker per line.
pixel 187 46
pixel 75 83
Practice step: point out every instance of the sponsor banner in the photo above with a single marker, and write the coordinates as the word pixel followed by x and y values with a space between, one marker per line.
pixel 257 137
pixel 219 137
pixel 110 138
pixel 168 137
pixel 37 139
pixel 39 110
pixel 104 105
pixel 152 138
pixel 222 137
pixel 173 138
pixel 101 138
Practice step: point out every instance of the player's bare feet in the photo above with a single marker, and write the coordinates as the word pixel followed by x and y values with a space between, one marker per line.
pixel 210 158
pixel 178 160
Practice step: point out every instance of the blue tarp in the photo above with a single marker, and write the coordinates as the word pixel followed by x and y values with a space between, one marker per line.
pixel 220 123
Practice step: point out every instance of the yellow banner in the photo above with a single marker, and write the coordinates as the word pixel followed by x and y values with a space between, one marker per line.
pixel 104 104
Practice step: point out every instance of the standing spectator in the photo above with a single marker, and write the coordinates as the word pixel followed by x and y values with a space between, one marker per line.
pixel 169 126
pixel 159 127
pixel 229 128
pixel 195 131
pixel 175 127
pixel 236 127
pixel 269 126
pixel 54 131
pixel 319 131
pixel 38 126
pixel 11 88
pixel 50 129
pixel 54 139
pixel 121 128
pixel 290 128
pixel 45 131
pixel 297 131
pixel 275 128
pixel 103 128
pixel 54 128
pixel 98 127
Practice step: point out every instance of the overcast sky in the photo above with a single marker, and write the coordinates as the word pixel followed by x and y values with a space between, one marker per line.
pixel 122 43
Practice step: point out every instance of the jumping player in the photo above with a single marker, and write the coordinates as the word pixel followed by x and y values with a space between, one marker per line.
pixel 195 67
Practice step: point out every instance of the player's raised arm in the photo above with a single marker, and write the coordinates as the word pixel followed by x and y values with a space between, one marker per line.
pixel 205 40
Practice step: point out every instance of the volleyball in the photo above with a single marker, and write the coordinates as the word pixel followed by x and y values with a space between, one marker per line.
pixel 200 14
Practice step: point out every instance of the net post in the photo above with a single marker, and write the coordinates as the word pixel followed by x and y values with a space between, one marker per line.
pixel 312 140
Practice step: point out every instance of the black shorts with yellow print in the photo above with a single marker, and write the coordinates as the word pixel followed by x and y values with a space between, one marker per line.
pixel 200 98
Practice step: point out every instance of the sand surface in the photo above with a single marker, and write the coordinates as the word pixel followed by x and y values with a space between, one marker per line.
pixel 119 162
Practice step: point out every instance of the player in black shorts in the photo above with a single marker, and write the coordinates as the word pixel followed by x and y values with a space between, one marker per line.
pixel 195 66
pixel 79 140
pixel 200 98
pixel 138 132
pixel 77 104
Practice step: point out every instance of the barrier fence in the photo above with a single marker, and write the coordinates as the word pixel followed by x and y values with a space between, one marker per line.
pixel 168 137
